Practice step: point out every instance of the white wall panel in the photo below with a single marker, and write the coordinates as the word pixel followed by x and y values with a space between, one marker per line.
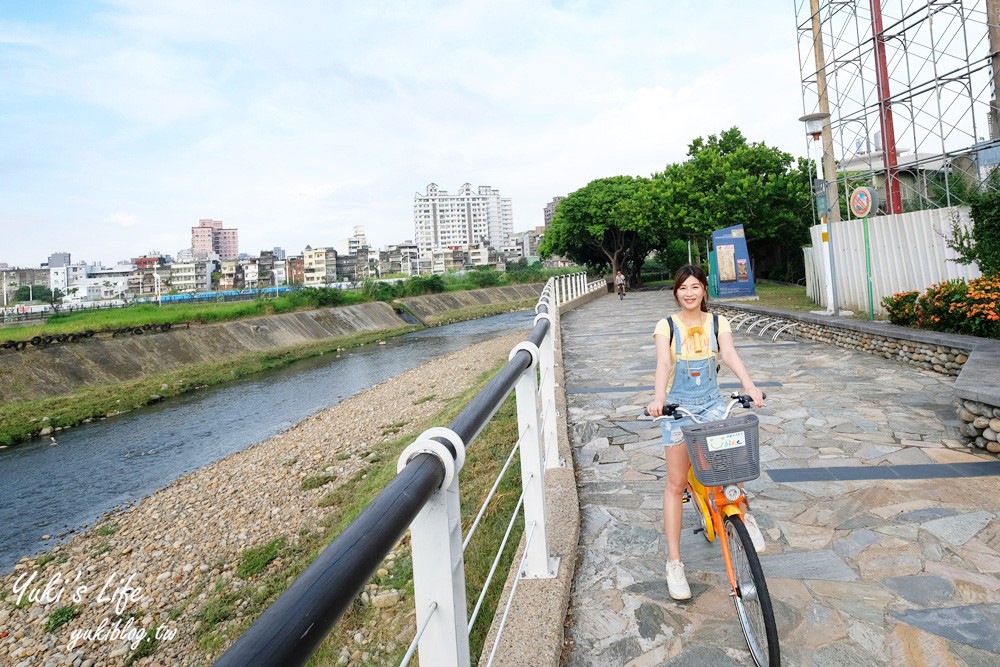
pixel 908 252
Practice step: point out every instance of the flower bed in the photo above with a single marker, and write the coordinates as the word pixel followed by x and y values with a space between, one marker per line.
pixel 953 306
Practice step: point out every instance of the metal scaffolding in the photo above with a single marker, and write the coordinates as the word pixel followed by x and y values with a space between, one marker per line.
pixel 910 87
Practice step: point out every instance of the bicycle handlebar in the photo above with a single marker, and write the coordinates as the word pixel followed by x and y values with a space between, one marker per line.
pixel 677 412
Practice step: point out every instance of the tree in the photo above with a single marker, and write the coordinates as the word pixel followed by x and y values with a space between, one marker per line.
pixel 606 223
pixel 37 293
pixel 981 244
pixel 727 181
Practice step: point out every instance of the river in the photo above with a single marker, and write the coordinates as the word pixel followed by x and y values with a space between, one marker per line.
pixel 52 490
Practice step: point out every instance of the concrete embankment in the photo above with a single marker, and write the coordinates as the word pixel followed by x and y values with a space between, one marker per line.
pixel 437 308
pixel 58 369
pixel 40 372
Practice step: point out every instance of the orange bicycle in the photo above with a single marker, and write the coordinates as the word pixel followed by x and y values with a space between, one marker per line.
pixel 723 454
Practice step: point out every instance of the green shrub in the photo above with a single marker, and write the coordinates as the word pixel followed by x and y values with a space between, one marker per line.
pixel 985 211
pixel 484 276
pixel 940 307
pixel 902 308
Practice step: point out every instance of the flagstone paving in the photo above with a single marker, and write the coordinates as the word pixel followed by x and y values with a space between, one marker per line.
pixel 895 572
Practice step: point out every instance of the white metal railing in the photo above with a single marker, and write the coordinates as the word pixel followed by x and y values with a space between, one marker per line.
pixel 439 575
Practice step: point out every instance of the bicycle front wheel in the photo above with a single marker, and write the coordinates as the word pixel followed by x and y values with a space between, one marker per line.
pixel 753 602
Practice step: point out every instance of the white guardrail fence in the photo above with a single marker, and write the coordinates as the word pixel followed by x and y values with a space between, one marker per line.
pixel 439 582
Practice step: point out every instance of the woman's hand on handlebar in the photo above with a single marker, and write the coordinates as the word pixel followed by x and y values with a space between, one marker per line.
pixel 655 409
pixel 755 394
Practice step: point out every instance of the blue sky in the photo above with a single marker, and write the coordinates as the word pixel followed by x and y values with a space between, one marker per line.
pixel 124 122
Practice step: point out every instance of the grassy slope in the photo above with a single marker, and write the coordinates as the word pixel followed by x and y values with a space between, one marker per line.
pixel 22 420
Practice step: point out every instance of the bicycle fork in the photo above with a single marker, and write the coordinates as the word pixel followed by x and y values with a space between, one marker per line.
pixel 713 507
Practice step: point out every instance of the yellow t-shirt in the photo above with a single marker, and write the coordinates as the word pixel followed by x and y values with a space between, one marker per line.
pixel 695 341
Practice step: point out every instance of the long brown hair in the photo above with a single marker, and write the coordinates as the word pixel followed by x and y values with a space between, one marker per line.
pixel 686 272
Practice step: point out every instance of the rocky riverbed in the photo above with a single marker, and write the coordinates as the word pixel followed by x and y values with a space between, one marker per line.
pixel 158 564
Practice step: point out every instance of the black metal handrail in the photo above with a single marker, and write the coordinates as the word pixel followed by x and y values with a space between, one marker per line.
pixel 294 625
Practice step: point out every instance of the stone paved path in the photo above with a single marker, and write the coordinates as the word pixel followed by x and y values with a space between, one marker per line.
pixel 867 573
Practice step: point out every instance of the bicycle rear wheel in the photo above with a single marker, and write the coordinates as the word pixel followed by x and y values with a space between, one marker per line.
pixel 753 602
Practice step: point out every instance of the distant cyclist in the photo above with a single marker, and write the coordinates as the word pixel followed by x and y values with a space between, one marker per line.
pixel 620 284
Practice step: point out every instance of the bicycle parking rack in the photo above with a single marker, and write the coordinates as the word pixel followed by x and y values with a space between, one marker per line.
pixel 778 332
pixel 760 320
pixel 776 320
pixel 735 322
pixel 750 321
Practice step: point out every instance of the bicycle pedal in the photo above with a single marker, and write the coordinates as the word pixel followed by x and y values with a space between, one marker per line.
pixel 698 530
pixel 686 498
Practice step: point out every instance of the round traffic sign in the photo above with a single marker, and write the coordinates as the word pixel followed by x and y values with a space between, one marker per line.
pixel 862 202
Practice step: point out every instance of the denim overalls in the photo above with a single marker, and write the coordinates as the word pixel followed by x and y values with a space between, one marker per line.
pixel 695 387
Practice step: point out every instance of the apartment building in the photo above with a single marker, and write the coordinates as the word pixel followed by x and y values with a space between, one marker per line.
pixel 210 236
pixel 280 275
pixel 444 260
pixel 58 259
pixel 64 276
pixel 319 266
pixel 550 210
pixel 354 242
pixel 295 271
pixel 191 276
pixel 265 269
pixel 465 218
pixel 231 275
pixel 483 255
pixel 399 258
pixel 354 267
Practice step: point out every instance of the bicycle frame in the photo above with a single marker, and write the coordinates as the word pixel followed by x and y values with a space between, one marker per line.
pixel 714 507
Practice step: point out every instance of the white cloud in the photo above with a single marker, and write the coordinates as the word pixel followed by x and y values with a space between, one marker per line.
pixel 122 219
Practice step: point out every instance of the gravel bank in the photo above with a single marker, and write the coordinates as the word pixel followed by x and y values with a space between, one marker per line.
pixel 175 548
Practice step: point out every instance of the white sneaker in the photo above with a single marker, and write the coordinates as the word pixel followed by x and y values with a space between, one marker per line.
pixel 676 581
pixel 756 536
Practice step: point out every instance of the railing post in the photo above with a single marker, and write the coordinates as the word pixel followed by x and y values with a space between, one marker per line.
pixel 436 578
pixel 537 562
pixel 547 393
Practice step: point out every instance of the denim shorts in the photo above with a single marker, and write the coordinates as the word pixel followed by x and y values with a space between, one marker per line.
pixel 671 428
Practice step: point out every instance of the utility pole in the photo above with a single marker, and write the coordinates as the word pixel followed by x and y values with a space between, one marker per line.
pixel 993 27
pixel 892 196
pixel 829 163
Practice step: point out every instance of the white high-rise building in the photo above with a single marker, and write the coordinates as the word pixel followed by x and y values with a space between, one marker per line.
pixel 467 218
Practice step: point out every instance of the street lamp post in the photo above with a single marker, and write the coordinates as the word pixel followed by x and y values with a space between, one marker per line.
pixel 156 279
pixel 814 128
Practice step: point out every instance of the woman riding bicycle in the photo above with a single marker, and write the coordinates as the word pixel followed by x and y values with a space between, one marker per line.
pixel 687 351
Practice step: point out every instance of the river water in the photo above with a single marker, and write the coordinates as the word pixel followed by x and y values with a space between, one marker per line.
pixel 94 468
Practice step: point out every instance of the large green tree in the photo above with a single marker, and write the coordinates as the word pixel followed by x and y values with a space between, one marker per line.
pixel 37 293
pixel 727 181
pixel 605 224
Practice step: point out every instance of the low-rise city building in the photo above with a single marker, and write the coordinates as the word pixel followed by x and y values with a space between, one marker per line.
pixel 320 266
